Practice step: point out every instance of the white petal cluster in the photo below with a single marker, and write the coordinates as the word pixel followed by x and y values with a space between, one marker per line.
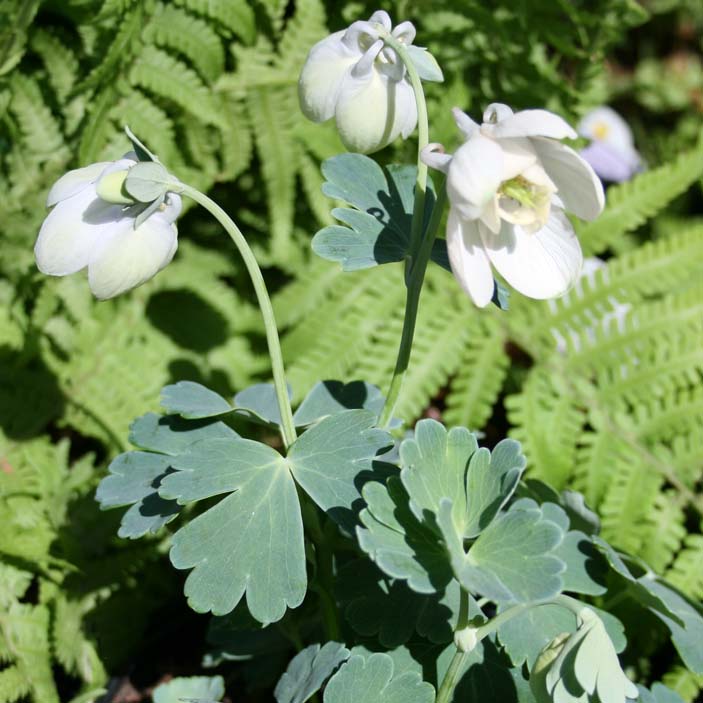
pixel 352 77
pixel 85 231
pixel 509 185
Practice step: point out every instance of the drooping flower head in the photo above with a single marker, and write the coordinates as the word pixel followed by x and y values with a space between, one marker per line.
pixel 96 224
pixel 612 152
pixel 354 78
pixel 509 185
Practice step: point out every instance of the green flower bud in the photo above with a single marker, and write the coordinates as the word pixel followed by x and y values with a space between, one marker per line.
pixel 111 188
pixel 538 675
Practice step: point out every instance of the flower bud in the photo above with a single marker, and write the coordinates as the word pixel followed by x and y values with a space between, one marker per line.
pixel 538 675
pixel 353 77
pixel 110 187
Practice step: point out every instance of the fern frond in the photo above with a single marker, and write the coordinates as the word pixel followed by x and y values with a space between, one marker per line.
pixel 193 38
pixel 171 79
pixel 633 489
pixel 687 684
pixel 24 632
pixel 686 573
pixel 653 269
pixel 663 530
pixel 547 421
pixel 121 48
pixel 479 376
pixel 272 111
pixel 147 119
pixel 632 203
pixel 60 62
pixel 236 16
pixel 40 131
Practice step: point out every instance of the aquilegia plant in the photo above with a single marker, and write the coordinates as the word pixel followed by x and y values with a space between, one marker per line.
pixel 386 567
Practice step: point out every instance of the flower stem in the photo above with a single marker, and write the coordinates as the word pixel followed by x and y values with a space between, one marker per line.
pixel 274 344
pixel 423 138
pixel 451 677
pixel 416 279
pixel 419 247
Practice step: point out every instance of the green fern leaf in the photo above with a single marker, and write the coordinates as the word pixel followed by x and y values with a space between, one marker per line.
pixel 686 573
pixel 171 79
pixel 40 131
pixel 193 38
pixel 479 377
pixel 547 421
pixel 236 16
pixel 632 203
pixel 60 62
pixel 687 684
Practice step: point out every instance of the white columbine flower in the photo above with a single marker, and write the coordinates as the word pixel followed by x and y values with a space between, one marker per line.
pixel 351 76
pixel 612 150
pixel 509 185
pixel 120 249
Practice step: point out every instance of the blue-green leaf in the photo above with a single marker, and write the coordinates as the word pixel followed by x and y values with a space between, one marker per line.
pixel 377 606
pixel 426 65
pixel 259 403
pixel 686 627
pixel 133 479
pixel 331 397
pixel 513 559
pixel 335 457
pixel 377 229
pixel 251 541
pixel 193 400
pixel 401 545
pixel 308 671
pixel 372 680
pixel 172 434
pixel 586 568
pixel 434 467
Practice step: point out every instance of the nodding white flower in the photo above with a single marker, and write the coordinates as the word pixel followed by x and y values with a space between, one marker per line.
pixel 95 224
pixel 509 185
pixel 354 78
pixel 612 151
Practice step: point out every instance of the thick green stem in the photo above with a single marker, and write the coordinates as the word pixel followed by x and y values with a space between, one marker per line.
pixel 423 137
pixel 416 279
pixel 419 249
pixel 274 344
pixel 451 678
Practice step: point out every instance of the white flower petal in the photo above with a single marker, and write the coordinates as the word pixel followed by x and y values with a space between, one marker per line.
pixel 71 230
pixel 435 157
pixel 579 188
pixel 532 123
pixel 475 173
pixel 405 32
pixel 382 17
pixel 74 181
pixel 465 124
pixel 172 207
pixel 540 265
pixel 129 257
pixel 496 112
pixel 468 259
pixel 322 76
pixel 518 157
pixel 373 111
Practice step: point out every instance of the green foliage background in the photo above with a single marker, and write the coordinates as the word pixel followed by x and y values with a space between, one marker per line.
pixel 610 404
